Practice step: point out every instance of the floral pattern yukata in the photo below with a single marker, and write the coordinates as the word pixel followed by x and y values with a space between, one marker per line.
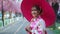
pixel 38 26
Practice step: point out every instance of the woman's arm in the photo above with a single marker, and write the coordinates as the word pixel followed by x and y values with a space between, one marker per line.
pixel 28 28
pixel 42 23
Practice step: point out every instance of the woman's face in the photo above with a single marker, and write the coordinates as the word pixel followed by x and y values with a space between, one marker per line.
pixel 34 12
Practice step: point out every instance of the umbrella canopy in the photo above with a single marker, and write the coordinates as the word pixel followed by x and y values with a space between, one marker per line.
pixel 47 12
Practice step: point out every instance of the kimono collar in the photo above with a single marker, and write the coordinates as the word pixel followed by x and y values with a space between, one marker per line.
pixel 37 18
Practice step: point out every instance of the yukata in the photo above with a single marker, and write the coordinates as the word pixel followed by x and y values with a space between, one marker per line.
pixel 38 26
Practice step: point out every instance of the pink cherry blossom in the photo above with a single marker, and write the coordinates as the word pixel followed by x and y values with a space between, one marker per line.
pixel 0 5
pixel 11 5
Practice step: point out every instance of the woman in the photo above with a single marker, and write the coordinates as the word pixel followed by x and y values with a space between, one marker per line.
pixel 37 25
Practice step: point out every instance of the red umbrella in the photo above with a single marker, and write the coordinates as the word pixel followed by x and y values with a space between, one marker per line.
pixel 48 13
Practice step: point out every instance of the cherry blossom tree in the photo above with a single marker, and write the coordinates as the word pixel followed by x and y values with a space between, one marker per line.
pixel 0 5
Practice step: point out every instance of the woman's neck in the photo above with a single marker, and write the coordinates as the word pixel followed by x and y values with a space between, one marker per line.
pixel 36 17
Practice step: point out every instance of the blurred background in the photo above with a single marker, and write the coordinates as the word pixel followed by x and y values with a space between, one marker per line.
pixel 55 4
pixel 13 22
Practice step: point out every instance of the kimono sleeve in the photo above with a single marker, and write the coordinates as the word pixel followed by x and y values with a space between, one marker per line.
pixel 42 22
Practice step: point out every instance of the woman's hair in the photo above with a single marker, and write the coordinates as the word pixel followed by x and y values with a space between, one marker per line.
pixel 38 9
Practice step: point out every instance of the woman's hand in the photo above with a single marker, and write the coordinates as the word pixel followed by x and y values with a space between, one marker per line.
pixel 28 28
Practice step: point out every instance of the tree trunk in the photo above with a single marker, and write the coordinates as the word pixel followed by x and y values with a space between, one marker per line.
pixel 3 12
pixel 10 13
